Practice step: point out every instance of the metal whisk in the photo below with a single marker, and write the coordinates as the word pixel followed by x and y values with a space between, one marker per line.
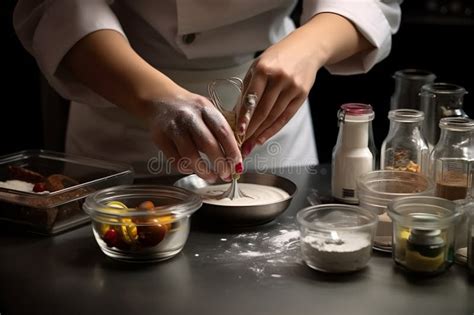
pixel 231 116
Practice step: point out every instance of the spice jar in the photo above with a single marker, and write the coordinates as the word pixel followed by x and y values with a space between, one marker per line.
pixel 354 153
pixel 407 87
pixel 405 148
pixel 452 158
pixel 423 235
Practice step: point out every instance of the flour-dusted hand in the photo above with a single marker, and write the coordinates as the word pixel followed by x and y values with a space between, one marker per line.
pixel 189 124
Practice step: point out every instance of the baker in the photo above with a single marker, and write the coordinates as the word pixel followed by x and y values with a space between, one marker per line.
pixel 137 73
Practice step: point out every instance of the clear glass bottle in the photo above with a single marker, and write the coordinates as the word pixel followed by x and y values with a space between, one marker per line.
pixel 408 83
pixel 451 161
pixel 353 153
pixel 405 148
pixel 440 100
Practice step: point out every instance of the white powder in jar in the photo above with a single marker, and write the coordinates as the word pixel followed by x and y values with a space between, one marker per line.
pixel 350 254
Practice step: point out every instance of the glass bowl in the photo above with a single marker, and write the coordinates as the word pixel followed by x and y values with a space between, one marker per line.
pixel 336 238
pixel 423 233
pixel 141 223
pixel 377 188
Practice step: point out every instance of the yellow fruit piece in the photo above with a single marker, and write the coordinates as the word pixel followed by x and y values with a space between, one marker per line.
pixel 166 219
pixel 103 228
pixel 116 205
pixel 128 231
pixel 417 262
pixel 401 245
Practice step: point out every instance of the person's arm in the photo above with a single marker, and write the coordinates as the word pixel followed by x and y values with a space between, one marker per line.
pixel 105 62
pixel 182 123
pixel 343 36
pixel 284 74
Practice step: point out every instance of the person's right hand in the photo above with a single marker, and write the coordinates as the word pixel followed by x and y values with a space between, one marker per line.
pixel 185 125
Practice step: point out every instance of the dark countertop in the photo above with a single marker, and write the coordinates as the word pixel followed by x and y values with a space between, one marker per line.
pixel 253 271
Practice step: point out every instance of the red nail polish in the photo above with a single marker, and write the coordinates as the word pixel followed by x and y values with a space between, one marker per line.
pixel 239 168
pixel 242 129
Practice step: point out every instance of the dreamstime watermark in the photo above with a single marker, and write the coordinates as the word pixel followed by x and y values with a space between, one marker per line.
pixel 272 160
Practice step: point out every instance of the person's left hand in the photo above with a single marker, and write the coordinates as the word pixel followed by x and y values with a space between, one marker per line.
pixel 275 87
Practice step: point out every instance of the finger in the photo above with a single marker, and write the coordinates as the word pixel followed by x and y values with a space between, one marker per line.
pixel 224 135
pixel 169 149
pixel 280 122
pixel 267 101
pixel 254 86
pixel 249 103
pixel 208 144
pixel 190 157
pixel 172 156
pixel 280 106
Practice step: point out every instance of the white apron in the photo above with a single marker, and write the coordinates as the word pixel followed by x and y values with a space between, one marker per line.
pixel 108 132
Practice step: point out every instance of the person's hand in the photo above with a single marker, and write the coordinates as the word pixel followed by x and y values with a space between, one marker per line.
pixel 188 124
pixel 278 83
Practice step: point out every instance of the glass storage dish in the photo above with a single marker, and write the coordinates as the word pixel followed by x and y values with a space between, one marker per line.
pixel 141 223
pixel 336 238
pixel 423 233
pixel 378 188
pixel 69 180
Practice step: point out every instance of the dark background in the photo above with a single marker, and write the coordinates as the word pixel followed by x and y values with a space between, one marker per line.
pixel 434 35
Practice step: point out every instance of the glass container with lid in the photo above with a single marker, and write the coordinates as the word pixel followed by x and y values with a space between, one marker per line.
pixel 405 148
pixel 452 159
pixel 354 152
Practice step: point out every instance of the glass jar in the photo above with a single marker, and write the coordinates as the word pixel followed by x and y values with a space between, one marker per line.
pixel 408 83
pixel 440 100
pixel 336 238
pixel 452 159
pixel 353 154
pixel 423 233
pixel 405 148
pixel 470 237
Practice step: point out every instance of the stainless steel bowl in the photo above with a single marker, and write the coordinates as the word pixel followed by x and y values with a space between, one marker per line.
pixel 243 215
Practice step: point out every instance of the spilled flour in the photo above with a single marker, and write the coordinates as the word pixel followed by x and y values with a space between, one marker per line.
pixel 265 253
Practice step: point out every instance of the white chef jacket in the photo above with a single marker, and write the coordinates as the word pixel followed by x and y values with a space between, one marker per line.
pixel 193 42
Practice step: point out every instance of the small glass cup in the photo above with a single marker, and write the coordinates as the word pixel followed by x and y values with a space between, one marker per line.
pixel 423 233
pixel 141 223
pixel 336 238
